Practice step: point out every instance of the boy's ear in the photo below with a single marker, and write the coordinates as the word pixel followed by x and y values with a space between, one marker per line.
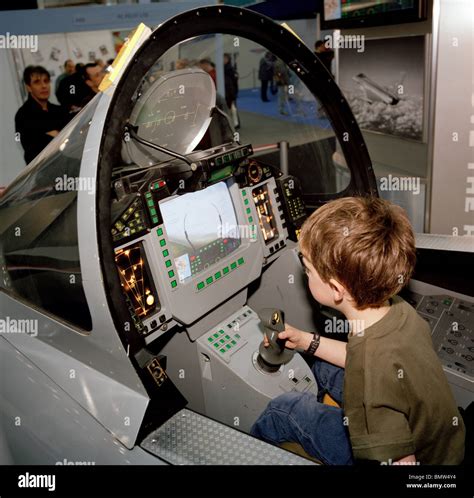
pixel 338 290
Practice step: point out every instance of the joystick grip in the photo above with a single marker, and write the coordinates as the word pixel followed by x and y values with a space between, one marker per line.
pixel 273 322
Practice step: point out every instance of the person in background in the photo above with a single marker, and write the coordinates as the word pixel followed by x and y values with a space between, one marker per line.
pixel 38 121
pixel 231 79
pixel 220 129
pixel 265 74
pixel 92 74
pixel 325 54
pixel 69 68
pixel 209 67
pixel 282 79
pixel 72 90
pixel 100 63
pixel 181 64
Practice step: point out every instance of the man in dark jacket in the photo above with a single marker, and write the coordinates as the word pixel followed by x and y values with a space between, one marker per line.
pixel 282 78
pixel 231 79
pixel 265 74
pixel 38 121
pixel 72 90
pixel 325 54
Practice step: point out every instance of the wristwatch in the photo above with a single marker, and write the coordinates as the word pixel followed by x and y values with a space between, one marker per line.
pixel 314 344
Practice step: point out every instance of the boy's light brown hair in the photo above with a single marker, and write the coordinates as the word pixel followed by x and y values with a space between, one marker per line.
pixel 365 243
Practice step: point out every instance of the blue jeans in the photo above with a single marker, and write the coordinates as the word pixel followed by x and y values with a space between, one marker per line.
pixel 302 418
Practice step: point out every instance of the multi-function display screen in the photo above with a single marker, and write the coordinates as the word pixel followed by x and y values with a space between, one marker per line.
pixel 201 228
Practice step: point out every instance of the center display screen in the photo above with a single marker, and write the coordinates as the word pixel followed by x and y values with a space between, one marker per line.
pixel 202 229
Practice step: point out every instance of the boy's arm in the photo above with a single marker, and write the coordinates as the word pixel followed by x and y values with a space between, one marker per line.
pixel 329 350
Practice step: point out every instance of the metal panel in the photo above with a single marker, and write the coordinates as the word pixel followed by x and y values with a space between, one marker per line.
pixel 191 439
pixel 41 424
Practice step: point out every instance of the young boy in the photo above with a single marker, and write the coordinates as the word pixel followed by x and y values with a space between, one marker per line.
pixel 397 407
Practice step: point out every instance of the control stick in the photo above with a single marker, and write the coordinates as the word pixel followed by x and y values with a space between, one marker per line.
pixel 270 358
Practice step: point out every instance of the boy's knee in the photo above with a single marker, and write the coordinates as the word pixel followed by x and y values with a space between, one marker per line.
pixel 285 401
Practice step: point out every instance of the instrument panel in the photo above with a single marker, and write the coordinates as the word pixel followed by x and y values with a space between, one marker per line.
pixel 451 321
pixel 180 253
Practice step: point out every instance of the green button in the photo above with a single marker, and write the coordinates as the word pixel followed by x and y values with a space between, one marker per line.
pixel 218 275
pixel 228 346
pixel 250 219
pixel 227 337
pixel 171 273
pixel 150 202
pixel 200 285
pixel 237 336
pixel 153 213
pixel 447 302
pixel 165 253
pixel 155 219
pixel 210 339
pixel 159 231
pixel 173 284
pixel 248 210
pixel 162 242
pixel 225 269
pixel 222 350
pixel 240 261
pixel 157 185
pixel 246 201
pixel 216 335
pixel 148 194
pixel 233 342
pixel 221 332
pixel 233 265
pixel 209 280
pixel 216 344
pixel 168 263
pixel 222 341
pixel 244 192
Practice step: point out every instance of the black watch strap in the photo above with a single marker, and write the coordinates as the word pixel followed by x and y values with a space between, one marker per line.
pixel 314 344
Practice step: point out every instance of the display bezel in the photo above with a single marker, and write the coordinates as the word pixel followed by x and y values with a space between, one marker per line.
pixel 416 13
pixel 196 276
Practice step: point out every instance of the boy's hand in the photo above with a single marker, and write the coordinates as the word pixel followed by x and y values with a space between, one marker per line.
pixel 295 338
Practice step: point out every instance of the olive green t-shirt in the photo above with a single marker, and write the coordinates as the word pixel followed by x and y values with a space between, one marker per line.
pixel 396 396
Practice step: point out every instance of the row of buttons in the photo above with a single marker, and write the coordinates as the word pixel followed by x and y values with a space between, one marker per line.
pixel 168 262
pixel 247 209
pixel 223 342
pixel 239 319
pixel 231 156
pixel 277 246
pixel 219 274
pixel 151 207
